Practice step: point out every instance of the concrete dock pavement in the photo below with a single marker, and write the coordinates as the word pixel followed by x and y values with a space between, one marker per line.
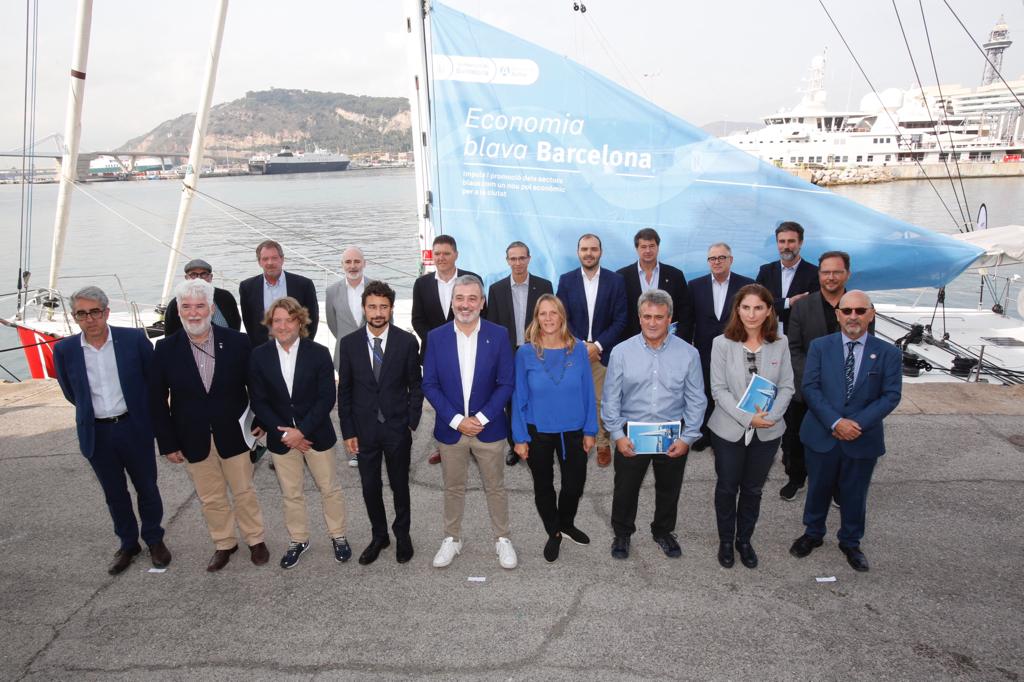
pixel 943 598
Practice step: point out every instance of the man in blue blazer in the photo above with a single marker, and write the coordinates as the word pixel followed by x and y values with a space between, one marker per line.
pixel 711 300
pixel 791 277
pixel 852 381
pixel 202 370
pixel 292 392
pixel 103 372
pixel 380 401
pixel 257 293
pixel 595 307
pixel 468 375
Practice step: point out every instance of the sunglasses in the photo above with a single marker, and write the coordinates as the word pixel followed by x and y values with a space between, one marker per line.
pixel 850 311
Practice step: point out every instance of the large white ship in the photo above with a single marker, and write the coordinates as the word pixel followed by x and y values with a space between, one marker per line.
pixel 934 124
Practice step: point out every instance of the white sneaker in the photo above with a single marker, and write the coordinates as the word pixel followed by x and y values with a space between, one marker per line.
pixel 353 461
pixel 449 548
pixel 506 553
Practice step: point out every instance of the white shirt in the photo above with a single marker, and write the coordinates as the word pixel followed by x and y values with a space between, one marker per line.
pixel 720 292
pixel 590 289
pixel 287 359
pixel 466 346
pixel 444 291
pixel 104 381
pixel 355 299
pixel 788 273
pixel 644 284
pixel 383 341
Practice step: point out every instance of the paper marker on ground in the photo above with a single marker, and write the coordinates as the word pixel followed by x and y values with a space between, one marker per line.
pixel 476 579
pixel 157 570
pixel 829 579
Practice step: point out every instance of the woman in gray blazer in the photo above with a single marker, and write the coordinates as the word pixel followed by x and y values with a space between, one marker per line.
pixel 745 442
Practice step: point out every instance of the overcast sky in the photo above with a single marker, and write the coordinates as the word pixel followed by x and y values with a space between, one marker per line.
pixel 704 61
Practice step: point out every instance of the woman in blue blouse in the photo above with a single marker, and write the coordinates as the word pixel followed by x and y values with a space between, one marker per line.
pixel 554 416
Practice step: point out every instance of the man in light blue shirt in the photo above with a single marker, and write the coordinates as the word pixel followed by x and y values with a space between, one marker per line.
pixel 652 377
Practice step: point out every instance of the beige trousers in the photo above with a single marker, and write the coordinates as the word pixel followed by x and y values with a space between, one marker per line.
pixel 291 474
pixel 597 370
pixel 212 477
pixel 490 459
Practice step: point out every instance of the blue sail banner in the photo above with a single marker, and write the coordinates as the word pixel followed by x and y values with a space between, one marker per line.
pixel 531 146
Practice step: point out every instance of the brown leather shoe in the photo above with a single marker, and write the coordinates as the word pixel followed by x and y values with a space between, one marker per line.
pixel 435 457
pixel 123 559
pixel 259 553
pixel 604 456
pixel 220 559
pixel 160 555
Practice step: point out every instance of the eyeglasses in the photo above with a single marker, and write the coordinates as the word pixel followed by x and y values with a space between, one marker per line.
pixel 850 311
pixel 94 314
pixel 718 259
pixel 199 275
pixel 831 273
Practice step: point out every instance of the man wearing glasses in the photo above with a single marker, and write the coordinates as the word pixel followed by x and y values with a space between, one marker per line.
pixel 710 296
pixel 852 381
pixel 225 308
pixel 510 303
pixel 104 373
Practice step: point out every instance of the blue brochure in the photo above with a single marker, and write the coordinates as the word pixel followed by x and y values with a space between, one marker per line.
pixel 653 438
pixel 760 393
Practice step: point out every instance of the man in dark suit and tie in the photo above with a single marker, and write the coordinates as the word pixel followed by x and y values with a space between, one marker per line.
pixel 203 370
pixel 379 405
pixel 595 308
pixel 710 300
pixel 468 375
pixel 257 293
pixel 292 391
pixel 852 381
pixel 791 277
pixel 225 307
pixel 510 303
pixel 648 273
pixel 104 372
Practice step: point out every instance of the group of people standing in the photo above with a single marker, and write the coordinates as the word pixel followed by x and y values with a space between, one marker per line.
pixel 524 373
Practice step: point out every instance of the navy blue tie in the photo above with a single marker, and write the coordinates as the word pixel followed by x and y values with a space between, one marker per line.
pixel 378 360
pixel 850 364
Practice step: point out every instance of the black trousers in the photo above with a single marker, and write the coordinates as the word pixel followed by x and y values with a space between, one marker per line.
pixel 742 469
pixel 545 449
pixel 121 450
pixel 792 447
pixel 629 477
pixel 706 369
pixel 393 446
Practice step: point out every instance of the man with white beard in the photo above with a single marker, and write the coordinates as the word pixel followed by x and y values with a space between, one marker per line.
pixel 198 394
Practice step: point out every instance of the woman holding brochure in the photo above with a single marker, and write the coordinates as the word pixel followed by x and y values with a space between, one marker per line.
pixel 749 362
pixel 554 416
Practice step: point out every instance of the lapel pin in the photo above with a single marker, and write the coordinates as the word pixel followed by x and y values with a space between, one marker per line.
pixel 872 356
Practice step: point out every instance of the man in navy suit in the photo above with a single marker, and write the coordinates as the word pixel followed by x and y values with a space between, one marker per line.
pixel 711 300
pixel 510 303
pixel 595 307
pixel 379 405
pixel 648 273
pixel 791 277
pixel 103 372
pixel 203 369
pixel 468 375
pixel 292 391
pixel 852 381
pixel 257 293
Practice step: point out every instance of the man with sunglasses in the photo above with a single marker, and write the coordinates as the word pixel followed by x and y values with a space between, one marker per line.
pixel 225 307
pixel 104 373
pixel 852 381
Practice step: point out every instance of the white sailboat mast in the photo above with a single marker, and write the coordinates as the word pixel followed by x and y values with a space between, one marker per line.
pixel 195 156
pixel 72 136
pixel 419 105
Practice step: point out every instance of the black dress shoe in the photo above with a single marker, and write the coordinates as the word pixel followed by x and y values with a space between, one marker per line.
pixel 259 554
pixel 511 458
pixel 620 547
pixel 804 545
pixel 123 559
pixel 669 545
pixel 160 555
pixel 372 550
pixel 403 551
pixel 576 535
pixel 551 548
pixel 220 559
pixel 748 557
pixel 789 491
pixel 855 558
pixel 725 555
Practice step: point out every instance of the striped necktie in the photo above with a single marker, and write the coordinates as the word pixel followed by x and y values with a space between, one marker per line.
pixel 850 365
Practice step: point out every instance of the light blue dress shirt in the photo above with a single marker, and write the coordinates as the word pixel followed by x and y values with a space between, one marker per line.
pixel 273 292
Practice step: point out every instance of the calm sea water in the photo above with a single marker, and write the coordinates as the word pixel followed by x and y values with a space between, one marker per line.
pixel 316 216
